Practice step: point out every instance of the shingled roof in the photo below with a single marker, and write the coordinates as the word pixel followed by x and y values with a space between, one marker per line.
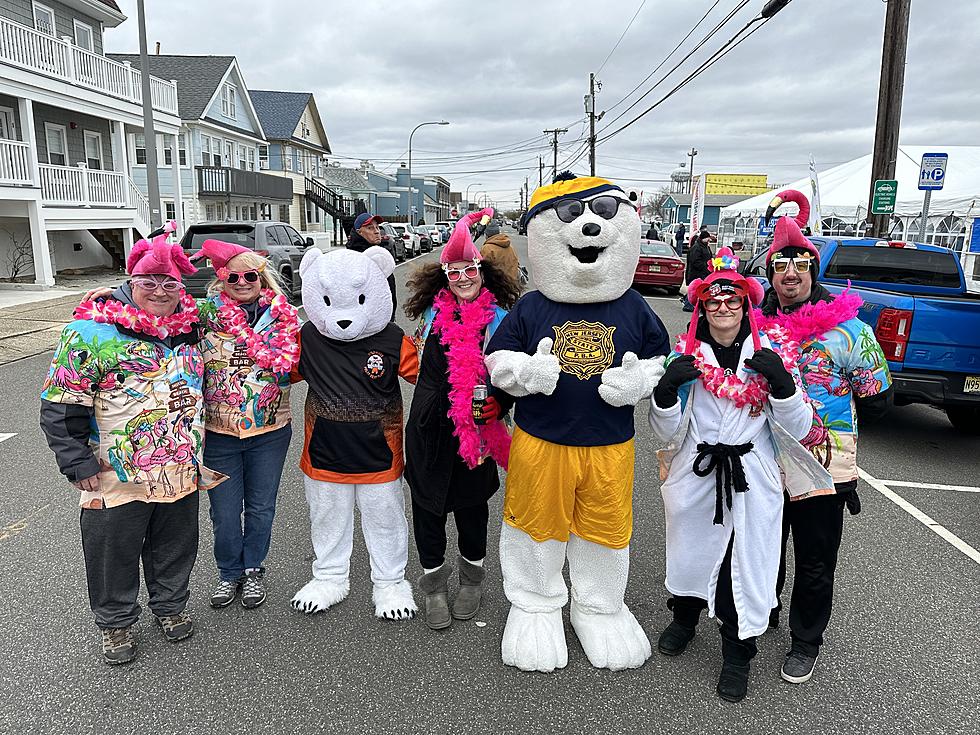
pixel 347 178
pixel 197 77
pixel 280 113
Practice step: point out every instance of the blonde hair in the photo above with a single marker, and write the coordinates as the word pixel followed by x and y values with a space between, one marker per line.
pixel 268 278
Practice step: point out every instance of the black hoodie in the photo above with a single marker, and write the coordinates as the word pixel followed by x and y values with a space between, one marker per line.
pixel 358 243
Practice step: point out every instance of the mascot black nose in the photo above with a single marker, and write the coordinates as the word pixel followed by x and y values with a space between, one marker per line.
pixel 591 229
pixel 343 323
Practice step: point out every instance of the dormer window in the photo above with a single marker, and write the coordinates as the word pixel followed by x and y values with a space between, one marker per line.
pixel 229 101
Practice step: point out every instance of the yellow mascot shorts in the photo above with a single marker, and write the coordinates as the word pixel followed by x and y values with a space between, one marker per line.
pixel 554 490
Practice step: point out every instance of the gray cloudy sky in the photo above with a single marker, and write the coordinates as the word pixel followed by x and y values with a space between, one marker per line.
pixel 501 72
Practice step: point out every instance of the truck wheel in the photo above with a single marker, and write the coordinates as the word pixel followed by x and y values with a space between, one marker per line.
pixel 965 418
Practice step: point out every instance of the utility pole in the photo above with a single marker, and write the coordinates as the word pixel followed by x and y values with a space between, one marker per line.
pixel 890 90
pixel 554 146
pixel 690 181
pixel 527 192
pixel 149 134
pixel 590 111
pixel 540 171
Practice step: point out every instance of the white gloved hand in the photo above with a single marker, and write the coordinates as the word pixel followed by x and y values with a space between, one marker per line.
pixel 632 382
pixel 520 374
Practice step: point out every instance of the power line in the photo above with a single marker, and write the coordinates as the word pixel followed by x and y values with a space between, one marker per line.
pixel 622 36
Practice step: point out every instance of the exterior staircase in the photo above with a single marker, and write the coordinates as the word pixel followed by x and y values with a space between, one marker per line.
pixel 112 242
pixel 338 207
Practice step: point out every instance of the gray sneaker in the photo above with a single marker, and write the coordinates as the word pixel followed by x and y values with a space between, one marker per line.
pixel 253 591
pixel 118 646
pixel 798 667
pixel 176 627
pixel 224 593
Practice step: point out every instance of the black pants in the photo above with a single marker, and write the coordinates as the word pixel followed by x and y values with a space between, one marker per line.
pixel 114 540
pixel 430 533
pixel 817 525
pixel 687 611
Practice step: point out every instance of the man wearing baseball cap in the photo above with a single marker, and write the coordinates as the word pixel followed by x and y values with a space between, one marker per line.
pixel 367 233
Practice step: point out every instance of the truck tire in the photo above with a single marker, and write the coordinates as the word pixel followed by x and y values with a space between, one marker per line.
pixel 965 418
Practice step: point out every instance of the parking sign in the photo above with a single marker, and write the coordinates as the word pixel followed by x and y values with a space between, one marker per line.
pixel 932 172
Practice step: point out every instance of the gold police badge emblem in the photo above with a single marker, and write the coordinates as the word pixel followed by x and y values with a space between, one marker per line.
pixel 584 349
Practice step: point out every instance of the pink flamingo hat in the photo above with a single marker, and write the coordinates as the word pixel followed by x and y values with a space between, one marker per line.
pixel 460 245
pixel 724 271
pixel 220 252
pixel 158 257
pixel 788 232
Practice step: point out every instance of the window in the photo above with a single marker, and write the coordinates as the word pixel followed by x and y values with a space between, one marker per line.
pixel 242 157
pixel 210 150
pixel 171 210
pixel 182 149
pixel 299 161
pixel 57 143
pixel 44 19
pixel 287 157
pixel 263 157
pixel 895 265
pixel 229 153
pixel 250 154
pixel 8 130
pixel 284 213
pixel 209 212
pixel 229 101
pixel 84 38
pixel 291 236
pixel 139 148
pixel 93 149
pixel 165 141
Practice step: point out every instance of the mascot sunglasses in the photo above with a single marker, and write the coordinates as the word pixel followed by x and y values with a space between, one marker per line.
pixel 606 207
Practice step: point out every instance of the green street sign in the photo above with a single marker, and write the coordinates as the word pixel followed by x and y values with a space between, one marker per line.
pixel 885 193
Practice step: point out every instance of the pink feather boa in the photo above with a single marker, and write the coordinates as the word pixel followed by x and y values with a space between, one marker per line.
pixel 811 320
pixel 463 338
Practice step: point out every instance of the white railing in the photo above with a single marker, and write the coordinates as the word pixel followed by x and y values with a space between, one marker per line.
pixel 82 187
pixel 15 162
pixel 60 58
pixel 142 204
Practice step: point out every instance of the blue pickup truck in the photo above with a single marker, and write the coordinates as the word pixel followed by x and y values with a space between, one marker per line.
pixel 927 323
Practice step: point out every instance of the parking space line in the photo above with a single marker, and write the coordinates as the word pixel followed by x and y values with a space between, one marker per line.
pixel 937 528
pixel 933 486
pixel 4 437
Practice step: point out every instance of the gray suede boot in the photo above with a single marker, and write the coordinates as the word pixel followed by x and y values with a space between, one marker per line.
pixel 467 602
pixel 435 587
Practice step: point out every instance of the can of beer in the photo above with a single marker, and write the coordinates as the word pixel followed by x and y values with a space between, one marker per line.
pixel 480 394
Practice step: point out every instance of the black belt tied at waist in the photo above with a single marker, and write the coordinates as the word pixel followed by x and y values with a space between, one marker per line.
pixel 725 460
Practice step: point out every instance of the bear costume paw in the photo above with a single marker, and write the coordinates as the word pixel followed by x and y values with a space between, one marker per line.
pixel 319 594
pixel 395 601
pixel 612 641
pixel 534 641
pixel 632 382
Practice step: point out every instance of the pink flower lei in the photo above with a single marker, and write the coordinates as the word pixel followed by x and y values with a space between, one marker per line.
pixel 280 352
pixel 137 320
pixel 460 328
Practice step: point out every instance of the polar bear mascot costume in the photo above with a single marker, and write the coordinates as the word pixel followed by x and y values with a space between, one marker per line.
pixel 577 355
pixel 351 357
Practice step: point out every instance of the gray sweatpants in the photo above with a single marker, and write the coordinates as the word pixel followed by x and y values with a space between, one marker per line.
pixel 164 535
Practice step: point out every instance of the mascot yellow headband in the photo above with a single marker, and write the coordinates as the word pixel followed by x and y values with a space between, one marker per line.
pixel 566 186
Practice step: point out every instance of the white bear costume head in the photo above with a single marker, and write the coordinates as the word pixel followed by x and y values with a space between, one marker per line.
pixel 345 292
pixel 583 240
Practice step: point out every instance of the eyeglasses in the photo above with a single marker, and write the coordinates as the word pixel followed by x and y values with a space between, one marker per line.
pixel 233 277
pixel 454 274
pixel 732 303
pixel 606 207
pixel 152 284
pixel 781 265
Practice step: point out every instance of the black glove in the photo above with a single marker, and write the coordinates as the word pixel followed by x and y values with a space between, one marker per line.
pixel 680 371
pixel 770 366
pixel 852 502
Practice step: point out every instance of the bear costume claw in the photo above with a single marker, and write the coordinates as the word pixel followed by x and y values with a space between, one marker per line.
pixel 534 641
pixel 612 641
pixel 318 595
pixel 395 601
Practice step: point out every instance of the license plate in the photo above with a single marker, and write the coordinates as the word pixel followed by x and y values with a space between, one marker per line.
pixel 972 384
pixel 654 268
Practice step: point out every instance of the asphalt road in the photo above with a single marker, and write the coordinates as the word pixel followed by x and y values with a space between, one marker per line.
pixel 901 655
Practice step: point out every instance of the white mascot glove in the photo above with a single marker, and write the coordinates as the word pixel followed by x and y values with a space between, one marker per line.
pixel 631 383
pixel 520 374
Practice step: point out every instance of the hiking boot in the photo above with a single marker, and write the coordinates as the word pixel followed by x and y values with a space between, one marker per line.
pixel 435 587
pixel 798 667
pixel 253 591
pixel 176 627
pixel 118 646
pixel 467 602
pixel 733 683
pixel 673 641
pixel 224 593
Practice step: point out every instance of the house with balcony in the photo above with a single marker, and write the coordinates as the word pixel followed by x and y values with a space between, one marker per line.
pixel 214 167
pixel 67 200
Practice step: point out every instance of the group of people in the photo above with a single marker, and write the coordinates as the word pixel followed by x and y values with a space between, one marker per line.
pixel 152 396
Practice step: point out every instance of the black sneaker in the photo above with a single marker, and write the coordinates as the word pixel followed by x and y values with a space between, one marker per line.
pixel 733 683
pixel 774 618
pixel 224 593
pixel 674 639
pixel 253 591
pixel 118 646
pixel 798 667
pixel 176 627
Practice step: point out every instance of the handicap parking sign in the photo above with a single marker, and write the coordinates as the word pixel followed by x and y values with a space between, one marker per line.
pixel 932 172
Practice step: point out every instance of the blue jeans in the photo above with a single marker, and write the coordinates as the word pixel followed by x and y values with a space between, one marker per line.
pixel 254 468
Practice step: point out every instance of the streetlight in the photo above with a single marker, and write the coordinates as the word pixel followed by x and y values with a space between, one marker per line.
pixel 468 192
pixel 433 122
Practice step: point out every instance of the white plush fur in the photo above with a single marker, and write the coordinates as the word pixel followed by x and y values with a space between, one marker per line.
pixel 356 285
pixel 394 601
pixel 521 375
pixel 561 277
pixel 631 383
pixel 318 595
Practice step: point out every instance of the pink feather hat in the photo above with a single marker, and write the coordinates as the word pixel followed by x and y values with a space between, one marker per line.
pixel 220 252
pixel 158 257
pixel 724 267
pixel 788 232
pixel 460 245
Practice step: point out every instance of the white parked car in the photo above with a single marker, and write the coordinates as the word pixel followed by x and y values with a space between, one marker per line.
pixel 413 243
pixel 434 233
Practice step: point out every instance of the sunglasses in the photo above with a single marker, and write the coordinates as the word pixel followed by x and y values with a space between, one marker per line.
pixel 454 274
pixel 151 284
pixel 606 207
pixel 781 265
pixel 732 303
pixel 233 277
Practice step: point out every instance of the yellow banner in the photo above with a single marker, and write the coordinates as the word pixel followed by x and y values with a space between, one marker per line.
pixel 747 184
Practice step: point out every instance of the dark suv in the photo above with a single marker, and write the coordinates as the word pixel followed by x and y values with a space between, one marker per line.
pixel 277 241
pixel 392 242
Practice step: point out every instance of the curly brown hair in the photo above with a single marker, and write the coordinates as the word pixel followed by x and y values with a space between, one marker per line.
pixel 428 280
